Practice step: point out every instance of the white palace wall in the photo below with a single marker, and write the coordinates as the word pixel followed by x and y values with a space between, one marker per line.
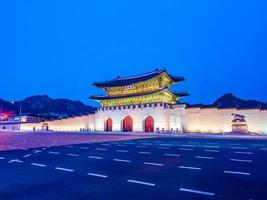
pixel 178 119
pixel 213 120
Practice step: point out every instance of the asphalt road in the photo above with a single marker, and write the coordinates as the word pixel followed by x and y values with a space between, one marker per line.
pixel 156 168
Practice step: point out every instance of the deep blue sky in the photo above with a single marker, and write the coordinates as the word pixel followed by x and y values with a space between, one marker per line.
pixel 59 47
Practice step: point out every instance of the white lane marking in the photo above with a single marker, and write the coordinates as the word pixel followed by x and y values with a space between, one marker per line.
pixel 123 151
pixel 188 145
pixel 97 175
pixel 37 151
pixel 96 157
pixel 144 152
pixel 197 191
pixel 27 155
pixel 184 149
pixel 141 146
pixel 100 149
pixel 121 160
pixel 205 157
pixel 170 154
pixel 236 172
pixel 70 154
pixel 168 145
pixel 154 164
pixel 243 152
pixel 84 148
pixel 37 164
pixel 237 144
pixel 15 160
pixel 215 147
pixel 53 152
pixel 2 158
pixel 187 167
pixel 69 146
pixel 163 147
pixel 240 160
pixel 258 145
pixel 210 150
pixel 239 148
pixel 64 169
pixel 121 145
pixel 141 182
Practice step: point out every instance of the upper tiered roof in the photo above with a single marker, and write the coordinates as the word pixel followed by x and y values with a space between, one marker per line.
pixel 124 81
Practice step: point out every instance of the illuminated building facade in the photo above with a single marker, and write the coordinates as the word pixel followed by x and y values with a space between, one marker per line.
pixel 137 103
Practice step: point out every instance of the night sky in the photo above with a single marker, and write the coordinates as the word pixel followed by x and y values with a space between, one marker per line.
pixel 59 47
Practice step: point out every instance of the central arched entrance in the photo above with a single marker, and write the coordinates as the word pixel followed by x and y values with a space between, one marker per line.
pixel 108 125
pixel 149 124
pixel 127 124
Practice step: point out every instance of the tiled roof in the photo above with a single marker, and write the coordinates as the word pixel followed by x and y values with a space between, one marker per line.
pixel 123 81
pixel 182 94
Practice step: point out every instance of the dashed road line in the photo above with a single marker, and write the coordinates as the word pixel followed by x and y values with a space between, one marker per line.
pixel 144 152
pixel 28 155
pixel 215 147
pixel 141 182
pixel 154 164
pixel 236 172
pixel 100 149
pixel 240 160
pixel 243 152
pixel 188 145
pixel 238 147
pixel 96 157
pixel 70 154
pixel 197 191
pixel 53 152
pixel 38 165
pixel 64 169
pixel 121 160
pixel 84 148
pixel 69 146
pixel 187 167
pixel 234 144
pixel 258 145
pixel 163 147
pixel 205 157
pixel 97 175
pixel 211 150
pixel 122 151
pixel 185 149
pixel 170 154
pixel 2 158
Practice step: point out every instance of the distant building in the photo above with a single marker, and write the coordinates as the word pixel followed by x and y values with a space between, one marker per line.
pixel 145 103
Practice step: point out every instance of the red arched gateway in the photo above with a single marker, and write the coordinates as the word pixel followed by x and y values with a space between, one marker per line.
pixel 127 124
pixel 149 124
pixel 108 125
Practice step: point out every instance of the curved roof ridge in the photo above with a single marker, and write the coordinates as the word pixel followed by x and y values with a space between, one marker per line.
pixel 158 71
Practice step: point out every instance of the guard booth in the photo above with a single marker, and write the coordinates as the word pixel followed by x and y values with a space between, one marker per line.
pixel 239 124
